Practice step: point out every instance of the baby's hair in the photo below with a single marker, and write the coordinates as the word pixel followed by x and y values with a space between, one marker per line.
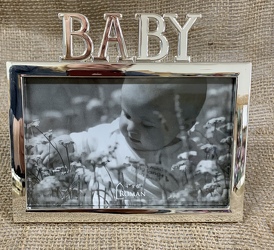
pixel 187 95
pixel 189 98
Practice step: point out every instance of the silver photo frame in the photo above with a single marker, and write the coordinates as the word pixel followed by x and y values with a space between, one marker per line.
pixel 144 138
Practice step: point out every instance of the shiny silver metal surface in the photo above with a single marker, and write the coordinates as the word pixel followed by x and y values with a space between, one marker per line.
pixel 240 74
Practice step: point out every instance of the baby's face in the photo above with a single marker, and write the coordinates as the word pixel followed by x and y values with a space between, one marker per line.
pixel 147 123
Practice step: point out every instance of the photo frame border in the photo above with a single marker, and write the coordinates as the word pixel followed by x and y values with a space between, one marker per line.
pixel 242 73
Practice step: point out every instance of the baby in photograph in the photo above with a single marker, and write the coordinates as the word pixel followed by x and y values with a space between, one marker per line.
pixel 145 157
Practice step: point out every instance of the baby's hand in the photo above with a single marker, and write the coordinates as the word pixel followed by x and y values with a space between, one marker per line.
pixel 58 150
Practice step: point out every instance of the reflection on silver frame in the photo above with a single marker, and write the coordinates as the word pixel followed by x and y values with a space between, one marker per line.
pixel 130 138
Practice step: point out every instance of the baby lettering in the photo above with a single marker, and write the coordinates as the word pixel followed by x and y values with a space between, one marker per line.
pixel 113 34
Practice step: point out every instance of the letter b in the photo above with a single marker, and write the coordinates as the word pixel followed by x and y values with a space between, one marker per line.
pixel 68 33
pixel 145 33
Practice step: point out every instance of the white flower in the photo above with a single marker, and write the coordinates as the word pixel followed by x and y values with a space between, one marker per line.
pixel 208 147
pixel 193 127
pixel 206 166
pixel 185 155
pixel 214 121
pixel 181 165
pixel 34 123
pixel 226 140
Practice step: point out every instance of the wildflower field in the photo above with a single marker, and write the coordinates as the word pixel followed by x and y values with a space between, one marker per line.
pixel 76 180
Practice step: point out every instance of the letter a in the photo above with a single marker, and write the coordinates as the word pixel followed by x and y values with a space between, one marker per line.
pixel 113 24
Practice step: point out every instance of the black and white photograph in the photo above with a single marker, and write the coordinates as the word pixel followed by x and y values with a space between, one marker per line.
pixel 128 142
